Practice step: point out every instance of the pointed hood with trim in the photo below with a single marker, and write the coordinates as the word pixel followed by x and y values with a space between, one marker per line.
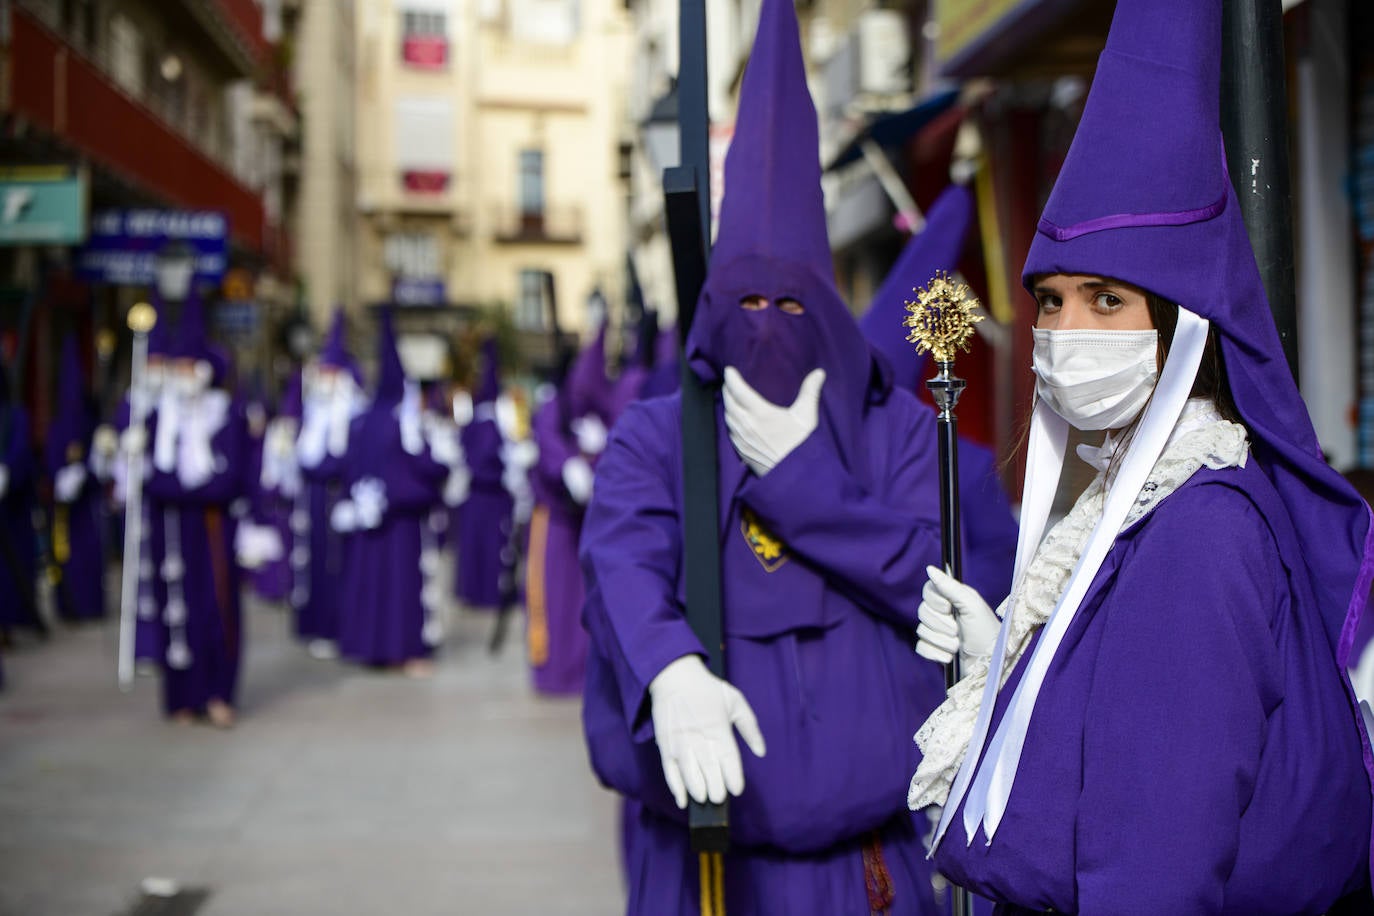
pixel 1144 197
pixel 772 242
pixel 936 248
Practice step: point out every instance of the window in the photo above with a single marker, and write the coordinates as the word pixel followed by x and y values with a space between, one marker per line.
pixel 545 22
pixel 531 183
pixel 425 143
pixel 424 38
pixel 412 254
pixel 126 55
pixel 529 304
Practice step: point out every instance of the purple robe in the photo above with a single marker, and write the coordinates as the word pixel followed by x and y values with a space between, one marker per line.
pixel 76 525
pixel 553 590
pixel 201 522
pixel 484 520
pixel 317 606
pixel 1207 693
pixel 382 618
pixel 844 586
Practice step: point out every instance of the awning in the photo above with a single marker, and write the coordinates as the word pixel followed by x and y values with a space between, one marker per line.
pixel 896 128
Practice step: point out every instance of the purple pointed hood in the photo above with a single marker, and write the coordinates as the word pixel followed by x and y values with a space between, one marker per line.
pixel 291 405
pixel 71 424
pixel 489 386
pixel 391 375
pixel 193 341
pixel 936 248
pixel 587 388
pixel 335 353
pixel 772 243
pixel 1144 197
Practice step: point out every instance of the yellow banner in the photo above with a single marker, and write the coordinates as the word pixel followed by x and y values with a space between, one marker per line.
pixel 963 21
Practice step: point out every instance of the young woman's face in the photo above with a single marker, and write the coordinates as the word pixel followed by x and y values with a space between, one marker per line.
pixel 1080 302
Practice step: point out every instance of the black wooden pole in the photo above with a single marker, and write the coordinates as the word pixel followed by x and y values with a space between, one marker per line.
pixel 1254 121
pixel 687 202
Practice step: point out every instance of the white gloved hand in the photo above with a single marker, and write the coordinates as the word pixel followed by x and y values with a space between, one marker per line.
pixel 458 486
pixel 4 480
pixel 67 483
pixel 591 434
pixel 134 440
pixel 954 618
pixel 343 518
pixel 762 432
pixel 695 714
pixel 369 498
pixel 579 479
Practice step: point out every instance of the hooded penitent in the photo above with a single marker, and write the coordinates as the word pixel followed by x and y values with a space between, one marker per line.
pixel 76 518
pixel 199 470
pixel 820 557
pixel 772 243
pixel 989 530
pixel 485 556
pixel 392 485
pixel 1197 661
pixel 317 556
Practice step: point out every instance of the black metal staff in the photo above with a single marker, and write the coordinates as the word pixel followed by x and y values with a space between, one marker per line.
pixel 687 203
pixel 1254 121
pixel 941 321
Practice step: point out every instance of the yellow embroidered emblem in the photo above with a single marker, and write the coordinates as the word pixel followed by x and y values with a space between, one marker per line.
pixel 768 550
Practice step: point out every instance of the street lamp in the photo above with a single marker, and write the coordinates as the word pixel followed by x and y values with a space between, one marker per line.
pixel 176 267
pixel 662 135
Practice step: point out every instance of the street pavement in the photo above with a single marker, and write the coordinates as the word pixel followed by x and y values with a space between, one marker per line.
pixel 341 791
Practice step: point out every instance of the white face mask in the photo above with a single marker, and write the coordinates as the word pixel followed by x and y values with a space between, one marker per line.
pixel 1095 379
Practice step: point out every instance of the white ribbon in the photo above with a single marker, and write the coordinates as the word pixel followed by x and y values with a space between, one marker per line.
pixel 987 798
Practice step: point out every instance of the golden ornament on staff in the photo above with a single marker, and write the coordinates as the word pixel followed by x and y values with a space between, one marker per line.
pixel 942 318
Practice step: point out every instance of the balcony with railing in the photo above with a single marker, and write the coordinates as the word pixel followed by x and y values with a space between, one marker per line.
pixel 63 93
pixel 514 225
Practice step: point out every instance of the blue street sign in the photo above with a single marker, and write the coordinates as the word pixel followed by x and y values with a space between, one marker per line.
pixel 419 291
pixel 124 244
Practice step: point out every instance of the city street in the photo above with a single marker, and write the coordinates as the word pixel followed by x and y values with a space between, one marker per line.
pixel 341 791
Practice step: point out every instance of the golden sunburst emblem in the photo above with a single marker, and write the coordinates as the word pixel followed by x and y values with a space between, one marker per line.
pixel 942 317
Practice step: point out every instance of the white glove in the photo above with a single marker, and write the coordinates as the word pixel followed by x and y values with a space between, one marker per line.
pixel 578 478
pixel 458 486
pixel 762 432
pixel 591 434
pixel 134 440
pixel 343 518
pixel 369 499
pixel 694 715
pixel 256 545
pixel 954 618
pixel 4 480
pixel 67 483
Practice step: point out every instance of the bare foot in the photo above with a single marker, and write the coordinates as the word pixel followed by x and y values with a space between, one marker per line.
pixel 418 668
pixel 221 714
pixel 183 717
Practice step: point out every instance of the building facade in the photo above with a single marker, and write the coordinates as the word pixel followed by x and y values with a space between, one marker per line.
pixel 489 157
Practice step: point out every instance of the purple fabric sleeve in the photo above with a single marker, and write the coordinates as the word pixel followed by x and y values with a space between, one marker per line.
pixel 1176 717
pixel 631 558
